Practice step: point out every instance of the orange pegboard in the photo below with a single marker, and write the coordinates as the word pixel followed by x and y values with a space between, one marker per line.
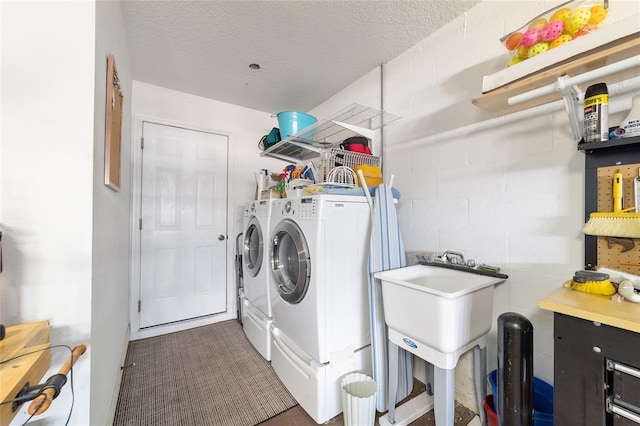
pixel 618 253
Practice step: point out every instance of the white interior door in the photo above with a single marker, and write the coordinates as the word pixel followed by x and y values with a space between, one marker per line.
pixel 184 216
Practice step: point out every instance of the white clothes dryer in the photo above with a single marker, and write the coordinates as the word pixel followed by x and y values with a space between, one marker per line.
pixel 256 304
pixel 319 250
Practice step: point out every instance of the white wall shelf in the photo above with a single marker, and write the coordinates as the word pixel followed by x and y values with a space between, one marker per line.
pixel 310 143
pixel 497 101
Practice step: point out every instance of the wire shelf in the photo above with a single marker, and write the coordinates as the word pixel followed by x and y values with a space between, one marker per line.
pixel 337 157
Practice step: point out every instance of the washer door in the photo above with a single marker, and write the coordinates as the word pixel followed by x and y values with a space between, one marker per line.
pixel 253 247
pixel 290 261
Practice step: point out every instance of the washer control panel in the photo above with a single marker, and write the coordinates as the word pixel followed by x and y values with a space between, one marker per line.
pixel 262 206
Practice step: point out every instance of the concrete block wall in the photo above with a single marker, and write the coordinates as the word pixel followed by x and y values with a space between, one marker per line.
pixel 507 190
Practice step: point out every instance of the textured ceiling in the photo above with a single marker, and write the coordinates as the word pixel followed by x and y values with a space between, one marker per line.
pixel 308 50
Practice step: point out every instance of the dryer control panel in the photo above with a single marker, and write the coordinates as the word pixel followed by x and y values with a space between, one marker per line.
pixel 307 208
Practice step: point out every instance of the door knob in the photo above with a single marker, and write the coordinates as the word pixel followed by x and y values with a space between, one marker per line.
pixel 221 237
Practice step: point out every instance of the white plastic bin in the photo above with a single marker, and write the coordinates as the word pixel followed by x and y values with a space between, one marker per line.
pixel 358 399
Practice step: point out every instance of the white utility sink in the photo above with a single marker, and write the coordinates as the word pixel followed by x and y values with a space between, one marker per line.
pixel 438 312
pixel 440 307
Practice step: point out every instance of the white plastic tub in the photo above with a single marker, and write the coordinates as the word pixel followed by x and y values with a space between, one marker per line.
pixel 441 308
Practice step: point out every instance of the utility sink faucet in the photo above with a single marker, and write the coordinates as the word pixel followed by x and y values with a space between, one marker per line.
pixel 453 257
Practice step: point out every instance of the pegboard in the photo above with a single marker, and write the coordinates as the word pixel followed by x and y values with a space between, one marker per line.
pixel 618 253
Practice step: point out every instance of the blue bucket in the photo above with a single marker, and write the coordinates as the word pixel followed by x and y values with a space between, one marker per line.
pixel 542 399
pixel 292 122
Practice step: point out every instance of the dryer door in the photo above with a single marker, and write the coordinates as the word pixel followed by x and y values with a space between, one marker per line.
pixel 253 247
pixel 290 261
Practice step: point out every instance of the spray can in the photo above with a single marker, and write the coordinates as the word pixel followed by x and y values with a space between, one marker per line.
pixel 596 113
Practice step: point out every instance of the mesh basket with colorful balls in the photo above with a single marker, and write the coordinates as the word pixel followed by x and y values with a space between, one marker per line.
pixel 555 27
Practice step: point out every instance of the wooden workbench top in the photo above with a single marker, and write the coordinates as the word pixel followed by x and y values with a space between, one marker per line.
pixel 622 314
pixel 28 343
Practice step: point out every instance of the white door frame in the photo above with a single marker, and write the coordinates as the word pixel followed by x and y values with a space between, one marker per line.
pixel 134 269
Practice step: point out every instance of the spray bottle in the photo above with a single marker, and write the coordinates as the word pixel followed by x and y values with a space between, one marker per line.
pixel 631 124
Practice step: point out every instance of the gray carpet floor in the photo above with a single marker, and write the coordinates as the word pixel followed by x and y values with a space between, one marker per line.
pixel 209 375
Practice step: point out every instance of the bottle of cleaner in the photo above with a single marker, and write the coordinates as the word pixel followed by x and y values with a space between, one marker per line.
pixel 596 113
pixel 631 124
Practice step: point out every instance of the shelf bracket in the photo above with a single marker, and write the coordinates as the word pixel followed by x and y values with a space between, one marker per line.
pixel 571 95
pixel 368 133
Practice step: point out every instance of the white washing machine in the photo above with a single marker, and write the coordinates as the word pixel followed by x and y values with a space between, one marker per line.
pixel 256 299
pixel 319 248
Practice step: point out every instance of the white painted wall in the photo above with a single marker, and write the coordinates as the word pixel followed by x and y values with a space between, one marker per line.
pixel 48 76
pixel 66 235
pixel 243 126
pixel 110 264
pixel 507 191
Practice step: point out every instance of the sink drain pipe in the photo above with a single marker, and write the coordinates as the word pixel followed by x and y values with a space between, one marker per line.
pixel 515 370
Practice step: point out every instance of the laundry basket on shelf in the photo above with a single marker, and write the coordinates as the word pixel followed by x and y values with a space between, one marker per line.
pixel 339 157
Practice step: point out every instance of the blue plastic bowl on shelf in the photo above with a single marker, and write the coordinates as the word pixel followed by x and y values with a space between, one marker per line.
pixel 292 122
pixel 542 399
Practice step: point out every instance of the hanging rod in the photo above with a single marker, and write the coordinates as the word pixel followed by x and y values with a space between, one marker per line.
pixel 562 83
pixel 571 92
